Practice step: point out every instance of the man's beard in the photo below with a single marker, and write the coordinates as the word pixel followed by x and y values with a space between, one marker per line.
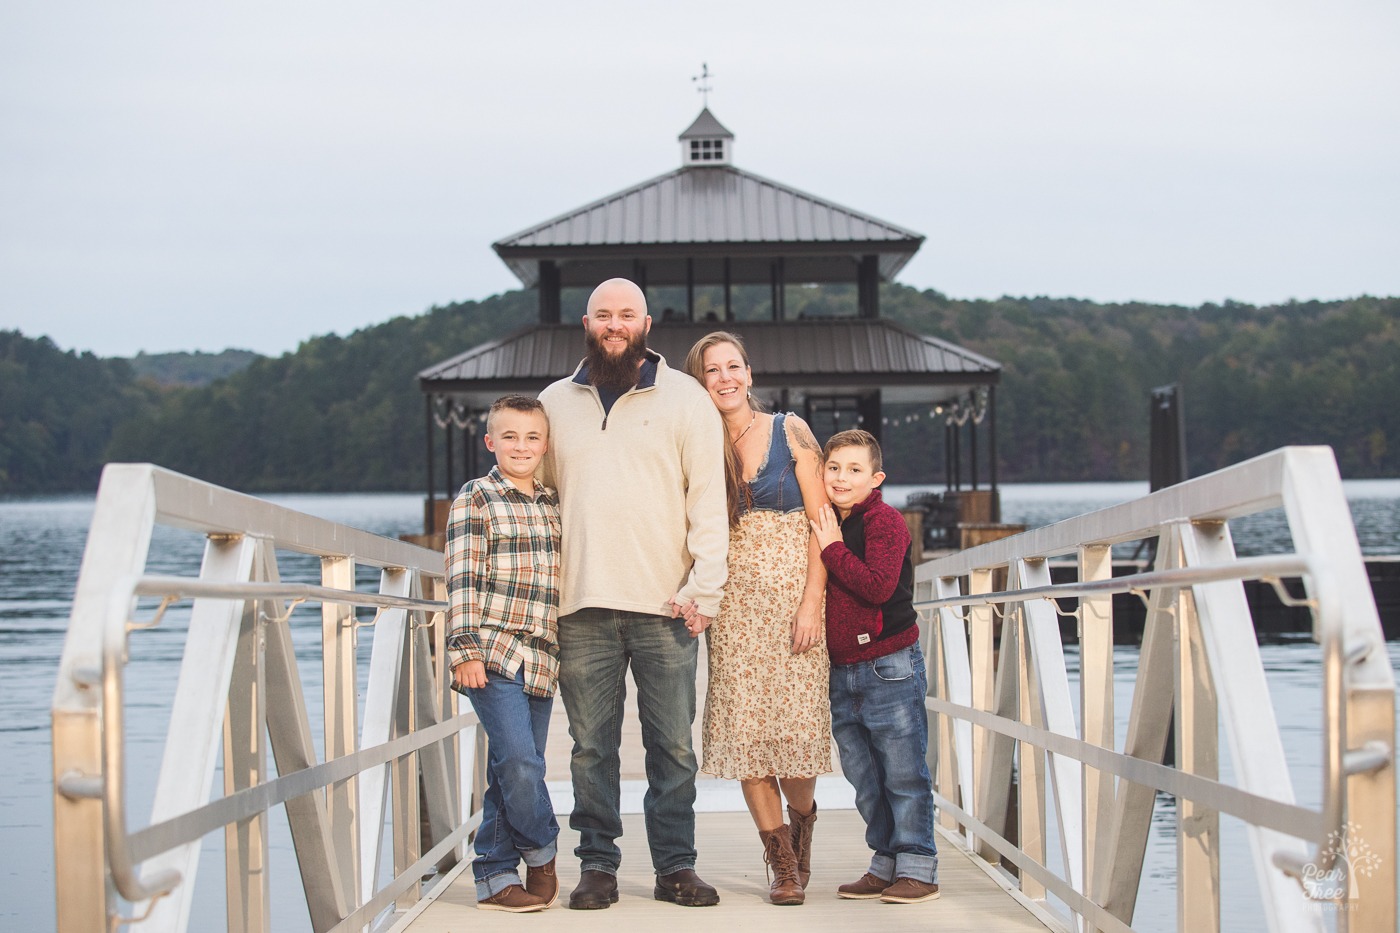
pixel 614 373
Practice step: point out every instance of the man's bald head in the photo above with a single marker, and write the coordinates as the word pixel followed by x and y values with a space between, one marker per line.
pixel 618 294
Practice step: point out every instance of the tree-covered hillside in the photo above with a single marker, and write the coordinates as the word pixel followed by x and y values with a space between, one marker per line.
pixel 341 413
pixel 58 411
pixel 345 413
pixel 190 369
pixel 1073 401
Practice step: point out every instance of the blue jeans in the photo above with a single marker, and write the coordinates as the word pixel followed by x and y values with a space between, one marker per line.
pixel 517 817
pixel 881 728
pixel 595 648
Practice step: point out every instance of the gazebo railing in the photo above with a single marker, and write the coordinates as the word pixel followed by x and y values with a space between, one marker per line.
pixel 239 692
pixel 1005 731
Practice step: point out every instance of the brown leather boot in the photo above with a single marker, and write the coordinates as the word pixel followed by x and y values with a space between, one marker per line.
pixel 784 887
pixel 802 842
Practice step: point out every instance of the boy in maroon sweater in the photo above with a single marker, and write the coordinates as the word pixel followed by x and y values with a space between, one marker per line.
pixel 878 681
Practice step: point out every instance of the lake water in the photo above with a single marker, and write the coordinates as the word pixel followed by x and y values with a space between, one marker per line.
pixel 41 544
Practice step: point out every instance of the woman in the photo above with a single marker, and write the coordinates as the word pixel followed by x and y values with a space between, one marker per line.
pixel 767 714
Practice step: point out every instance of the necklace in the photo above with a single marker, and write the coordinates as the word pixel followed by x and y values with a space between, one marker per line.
pixel 740 435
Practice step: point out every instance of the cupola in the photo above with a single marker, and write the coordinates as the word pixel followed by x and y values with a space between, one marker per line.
pixel 706 142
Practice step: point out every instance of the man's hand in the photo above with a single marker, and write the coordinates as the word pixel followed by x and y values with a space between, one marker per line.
pixel 469 674
pixel 825 527
pixel 695 622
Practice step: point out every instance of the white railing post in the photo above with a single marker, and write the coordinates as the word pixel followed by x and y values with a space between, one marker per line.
pixel 196 718
pixel 1048 656
pixel 1095 625
pixel 340 694
pixel 1256 749
pixel 245 765
pixel 1197 752
pixel 385 668
pixel 1319 518
pixel 118 542
pixel 404 772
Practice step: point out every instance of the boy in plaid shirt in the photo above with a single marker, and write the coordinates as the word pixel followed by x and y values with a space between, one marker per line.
pixel 503 644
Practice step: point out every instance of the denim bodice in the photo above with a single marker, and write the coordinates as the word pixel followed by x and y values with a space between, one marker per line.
pixel 775 487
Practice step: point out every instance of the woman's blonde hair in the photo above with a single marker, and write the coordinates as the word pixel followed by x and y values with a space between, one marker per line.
pixel 736 491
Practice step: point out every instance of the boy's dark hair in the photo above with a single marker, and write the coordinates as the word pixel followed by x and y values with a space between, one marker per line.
pixel 521 403
pixel 855 438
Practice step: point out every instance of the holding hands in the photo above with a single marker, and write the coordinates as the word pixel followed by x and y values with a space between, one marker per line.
pixel 695 621
pixel 825 527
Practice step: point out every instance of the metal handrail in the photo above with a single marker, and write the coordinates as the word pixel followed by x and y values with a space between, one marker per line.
pixel 1301 480
pixel 112 790
pixel 1246 568
pixel 1336 770
pixel 189 588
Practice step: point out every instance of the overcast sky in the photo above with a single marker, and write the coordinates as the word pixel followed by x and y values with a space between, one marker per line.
pixel 182 176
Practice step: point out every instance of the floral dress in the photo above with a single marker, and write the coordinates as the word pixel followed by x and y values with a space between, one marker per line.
pixel 767 711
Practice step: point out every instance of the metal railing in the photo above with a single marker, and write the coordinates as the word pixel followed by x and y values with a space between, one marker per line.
pixel 1003 719
pixel 239 691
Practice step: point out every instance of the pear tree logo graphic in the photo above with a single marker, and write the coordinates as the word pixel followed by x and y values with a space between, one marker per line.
pixel 1352 857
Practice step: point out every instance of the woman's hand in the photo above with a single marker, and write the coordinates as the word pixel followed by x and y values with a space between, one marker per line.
pixel 825 527
pixel 806 628
pixel 687 611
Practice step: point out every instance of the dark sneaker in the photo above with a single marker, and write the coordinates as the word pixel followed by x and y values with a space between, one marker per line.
pixel 542 882
pixel 684 887
pixel 909 891
pixel 512 898
pixel 596 890
pixel 866 888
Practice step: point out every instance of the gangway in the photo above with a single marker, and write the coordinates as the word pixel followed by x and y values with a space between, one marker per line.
pixel 379 769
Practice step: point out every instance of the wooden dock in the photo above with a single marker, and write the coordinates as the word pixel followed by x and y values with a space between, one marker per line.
pixel 730 858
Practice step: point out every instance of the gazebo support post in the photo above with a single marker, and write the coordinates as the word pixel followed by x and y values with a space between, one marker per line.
pixel 447 428
pixel 550 288
pixel 972 445
pixel 868 287
pixel 430 513
pixel 992 451
pixel 690 289
pixel 728 306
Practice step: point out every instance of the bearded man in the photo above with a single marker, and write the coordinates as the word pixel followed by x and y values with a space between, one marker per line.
pixel 637 455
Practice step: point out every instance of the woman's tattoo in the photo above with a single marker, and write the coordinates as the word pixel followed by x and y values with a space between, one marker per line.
pixel 806 439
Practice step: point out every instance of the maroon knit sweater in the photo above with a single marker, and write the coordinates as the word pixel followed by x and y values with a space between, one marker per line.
pixel 860 593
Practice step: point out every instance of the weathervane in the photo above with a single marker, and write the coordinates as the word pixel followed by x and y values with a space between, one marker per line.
pixel 703 80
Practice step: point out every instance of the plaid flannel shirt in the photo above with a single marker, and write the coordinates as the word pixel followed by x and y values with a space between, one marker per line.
pixel 503 580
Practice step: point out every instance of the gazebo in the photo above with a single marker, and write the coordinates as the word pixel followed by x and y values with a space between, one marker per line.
pixel 711 225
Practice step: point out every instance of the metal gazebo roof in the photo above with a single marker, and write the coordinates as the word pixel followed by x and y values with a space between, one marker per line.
pixel 816 355
pixel 700 212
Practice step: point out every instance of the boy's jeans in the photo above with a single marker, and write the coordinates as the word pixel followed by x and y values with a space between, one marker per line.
pixel 881 729
pixel 517 818
pixel 595 648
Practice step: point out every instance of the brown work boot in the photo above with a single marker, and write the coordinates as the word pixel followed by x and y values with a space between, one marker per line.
pixel 909 891
pixel 866 888
pixel 595 891
pixel 684 887
pixel 512 898
pixel 783 888
pixel 542 882
pixel 802 842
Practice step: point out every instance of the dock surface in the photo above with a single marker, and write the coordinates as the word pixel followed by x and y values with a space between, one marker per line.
pixel 731 859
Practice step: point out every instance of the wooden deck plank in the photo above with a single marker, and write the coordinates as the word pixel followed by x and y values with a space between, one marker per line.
pixel 731 860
